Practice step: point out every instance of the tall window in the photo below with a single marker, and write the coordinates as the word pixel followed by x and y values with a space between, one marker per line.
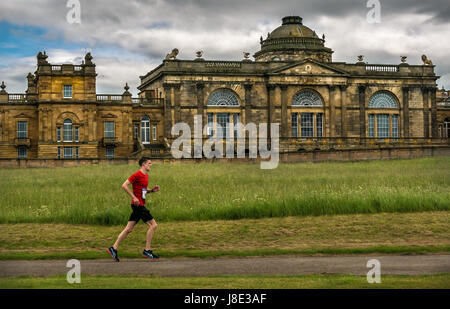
pixel 382 126
pixel 67 91
pixel 307 125
pixel 218 122
pixel 145 129
pixel 222 120
pixel 154 132
pixel 307 120
pixel 109 129
pixel 68 152
pixel 446 128
pixel 77 133
pixel 22 131
pixel 67 131
pixel 371 125
pixel 136 131
pixel 236 120
pixel 319 125
pixel 58 134
pixel 383 116
pixel 109 152
pixel 210 126
pixel 311 125
pixel 21 152
pixel 395 126
pixel 294 125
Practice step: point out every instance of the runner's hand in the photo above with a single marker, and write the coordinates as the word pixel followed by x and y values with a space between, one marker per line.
pixel 155 189
pixel 136 201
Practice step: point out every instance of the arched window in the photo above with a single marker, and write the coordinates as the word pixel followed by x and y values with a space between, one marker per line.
pixel 145 129
pixel 383 124
pixel 223 97
pixel 307 98
pixel 307 123
pixel 67 131
pixel 382 99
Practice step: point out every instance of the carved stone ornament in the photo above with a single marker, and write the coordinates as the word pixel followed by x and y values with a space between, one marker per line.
pixel 88 58
pixel 173 55
pixel 42 58
pixel 3 86
pixel 426 61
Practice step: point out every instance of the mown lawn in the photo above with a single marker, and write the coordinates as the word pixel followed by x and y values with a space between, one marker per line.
pixel 440 281
pixel 412 233
pixel 226 191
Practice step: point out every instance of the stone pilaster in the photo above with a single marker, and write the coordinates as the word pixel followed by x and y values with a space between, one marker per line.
pixel 167 110
pixel 343 89
pixel 332 107
pixel 405 91
pixel 41 124
pixel 362 110
pixel 426 113
pixel 270 108
pixel 284 113
pixel 177 102
pixel 2 124
pixel 248 103
pixel 434 123
pixel 200 98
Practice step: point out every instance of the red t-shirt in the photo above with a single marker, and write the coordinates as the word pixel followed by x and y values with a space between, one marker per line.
pixel 140 183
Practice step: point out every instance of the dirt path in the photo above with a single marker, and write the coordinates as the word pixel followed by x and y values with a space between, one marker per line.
pixel 285 265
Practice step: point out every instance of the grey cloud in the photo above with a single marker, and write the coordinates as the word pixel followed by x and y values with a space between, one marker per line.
pixel 225 28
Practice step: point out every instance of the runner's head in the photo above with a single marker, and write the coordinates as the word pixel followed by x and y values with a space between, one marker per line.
pixel 145 163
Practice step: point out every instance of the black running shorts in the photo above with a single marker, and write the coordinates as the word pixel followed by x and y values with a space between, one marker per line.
pixel 140 212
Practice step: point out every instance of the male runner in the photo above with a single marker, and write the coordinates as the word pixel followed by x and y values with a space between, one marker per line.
pixel 139 182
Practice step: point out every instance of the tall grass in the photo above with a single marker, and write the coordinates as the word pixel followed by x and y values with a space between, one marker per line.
pixel 206 191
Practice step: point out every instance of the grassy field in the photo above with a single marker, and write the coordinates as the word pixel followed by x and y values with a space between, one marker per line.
pixel 400 233
pixel 204 191
pixel 440 281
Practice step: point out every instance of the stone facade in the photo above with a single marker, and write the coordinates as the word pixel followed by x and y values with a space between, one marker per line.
pixel 443 113
pixel 62 117
pixel 320 105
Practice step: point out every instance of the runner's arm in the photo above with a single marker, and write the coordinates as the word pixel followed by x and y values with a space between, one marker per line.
pixel 125 186
pixel 155 189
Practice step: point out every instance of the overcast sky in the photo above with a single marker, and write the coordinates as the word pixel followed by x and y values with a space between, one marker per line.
pixel 129 38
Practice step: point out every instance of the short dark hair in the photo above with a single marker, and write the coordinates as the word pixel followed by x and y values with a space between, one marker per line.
pixel 143 160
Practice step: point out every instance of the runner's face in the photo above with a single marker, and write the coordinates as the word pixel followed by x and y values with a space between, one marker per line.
pixel 147 165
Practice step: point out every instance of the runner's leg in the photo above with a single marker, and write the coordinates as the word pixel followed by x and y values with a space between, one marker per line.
pixel 127 230
pixel 152 225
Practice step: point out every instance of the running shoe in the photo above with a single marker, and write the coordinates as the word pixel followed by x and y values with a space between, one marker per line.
pixel 150 254
pixel 113 253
